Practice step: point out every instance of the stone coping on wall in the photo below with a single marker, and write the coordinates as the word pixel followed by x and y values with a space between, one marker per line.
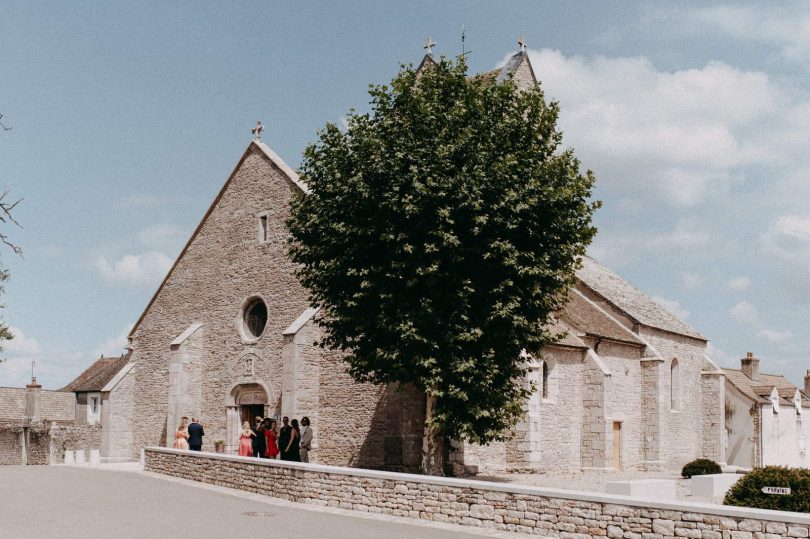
pixel 592 497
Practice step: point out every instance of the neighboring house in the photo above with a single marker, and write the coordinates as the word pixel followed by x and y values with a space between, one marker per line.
pixel 765 418
pixel 27 417
pixel 90 386
pixel 36 404
pixel 229 335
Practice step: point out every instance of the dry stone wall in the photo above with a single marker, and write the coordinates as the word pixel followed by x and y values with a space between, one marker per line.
pixel 71 438
pixel 41 443
pixel 546 512
pixel 10 446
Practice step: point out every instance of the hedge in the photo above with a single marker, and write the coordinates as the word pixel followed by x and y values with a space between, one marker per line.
pixel 747 492
pixel 700 467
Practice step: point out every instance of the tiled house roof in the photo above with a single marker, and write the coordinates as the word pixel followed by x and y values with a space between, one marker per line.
pixel 96 376
pixel 759 390
pixel 57 406
pixel 642 308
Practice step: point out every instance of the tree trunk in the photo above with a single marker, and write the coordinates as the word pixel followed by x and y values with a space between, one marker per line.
pixel 432 443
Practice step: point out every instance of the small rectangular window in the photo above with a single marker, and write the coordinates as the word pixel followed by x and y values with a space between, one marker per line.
pixel 263 228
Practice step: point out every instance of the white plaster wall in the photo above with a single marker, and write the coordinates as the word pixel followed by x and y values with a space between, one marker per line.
pixel 783 438
pixel 739 429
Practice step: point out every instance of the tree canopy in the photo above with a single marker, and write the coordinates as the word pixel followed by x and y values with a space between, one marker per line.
pixel 441 233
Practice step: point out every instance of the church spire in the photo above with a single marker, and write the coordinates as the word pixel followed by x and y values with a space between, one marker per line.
pixel 428 58
pixel 429 44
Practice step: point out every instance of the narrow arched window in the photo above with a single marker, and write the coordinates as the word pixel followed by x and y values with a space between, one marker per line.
pixel 545 379
pixel 675 385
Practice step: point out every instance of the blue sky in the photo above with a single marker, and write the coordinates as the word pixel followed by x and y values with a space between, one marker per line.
pixel 128 118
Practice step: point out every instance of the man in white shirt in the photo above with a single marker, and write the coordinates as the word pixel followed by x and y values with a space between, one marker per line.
pixel 306 439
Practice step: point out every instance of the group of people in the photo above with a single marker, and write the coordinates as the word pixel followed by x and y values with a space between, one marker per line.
pixel 189 435
pixel 265 440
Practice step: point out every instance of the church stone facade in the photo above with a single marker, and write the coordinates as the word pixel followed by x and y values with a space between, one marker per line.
pixel 629 386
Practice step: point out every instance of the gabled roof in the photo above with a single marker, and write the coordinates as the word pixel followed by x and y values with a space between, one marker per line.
pixel 759 390
pixel 590 319
pixel 426 61
pixel 513 64
pixel 276 160
pixel 54 405
pixel 635 303
pixel 568 337
pixel 97 375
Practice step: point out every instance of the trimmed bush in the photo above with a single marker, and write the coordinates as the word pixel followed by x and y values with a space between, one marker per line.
pixel 747 492
pixel 700 467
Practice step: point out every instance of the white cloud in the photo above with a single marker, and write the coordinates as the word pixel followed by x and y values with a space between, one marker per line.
pixel 773 24
pixel 672 306
pixel 113 346
pixel 21 344
pixel 691 281
pixel 687 236
pixel 744 312
pixel 720 357
pixel 144 269
pixel 793 226
pixel 739 284
pixel 775 337
pixel 785 244
pixel 683 188
pixel 625 108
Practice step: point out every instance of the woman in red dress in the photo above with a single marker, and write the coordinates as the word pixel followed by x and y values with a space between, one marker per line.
pixel 271 434
pixel 246 441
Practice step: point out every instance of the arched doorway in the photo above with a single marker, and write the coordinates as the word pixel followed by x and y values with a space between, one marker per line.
pixel 244 403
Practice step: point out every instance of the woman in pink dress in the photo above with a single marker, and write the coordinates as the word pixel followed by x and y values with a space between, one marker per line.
pixel 181 436
pixel 271 434
pixel 245 441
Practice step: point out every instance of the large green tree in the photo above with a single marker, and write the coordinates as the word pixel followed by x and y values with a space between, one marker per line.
pixel 440 234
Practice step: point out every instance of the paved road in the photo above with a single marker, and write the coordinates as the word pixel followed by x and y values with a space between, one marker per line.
pixel 61 501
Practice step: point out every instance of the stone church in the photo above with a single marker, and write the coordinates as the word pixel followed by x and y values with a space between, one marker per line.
pixel 229 335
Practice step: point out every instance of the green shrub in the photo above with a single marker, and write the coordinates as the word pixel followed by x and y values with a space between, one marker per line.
pixel 747 492
pixel 700 467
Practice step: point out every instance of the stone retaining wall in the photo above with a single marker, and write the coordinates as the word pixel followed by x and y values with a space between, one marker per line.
pixel 547 512
pixel 10 446
pixel 74 437
pixel 18 444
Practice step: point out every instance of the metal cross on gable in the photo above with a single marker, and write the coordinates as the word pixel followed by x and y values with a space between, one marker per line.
pixel 257 131
pixel 522 43
pixel 429 44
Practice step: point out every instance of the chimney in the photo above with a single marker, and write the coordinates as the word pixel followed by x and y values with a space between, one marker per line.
pixel 33 394
pixel 807 383
pixel 750 366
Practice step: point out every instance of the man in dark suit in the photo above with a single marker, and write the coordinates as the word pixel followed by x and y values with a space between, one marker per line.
pixel 284 437
pixel 259 442
pixel 195 434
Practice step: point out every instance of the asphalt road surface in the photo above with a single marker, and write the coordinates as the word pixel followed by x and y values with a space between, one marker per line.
pixel 61 501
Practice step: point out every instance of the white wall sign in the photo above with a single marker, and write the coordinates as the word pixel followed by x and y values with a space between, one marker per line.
pixel 784 491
